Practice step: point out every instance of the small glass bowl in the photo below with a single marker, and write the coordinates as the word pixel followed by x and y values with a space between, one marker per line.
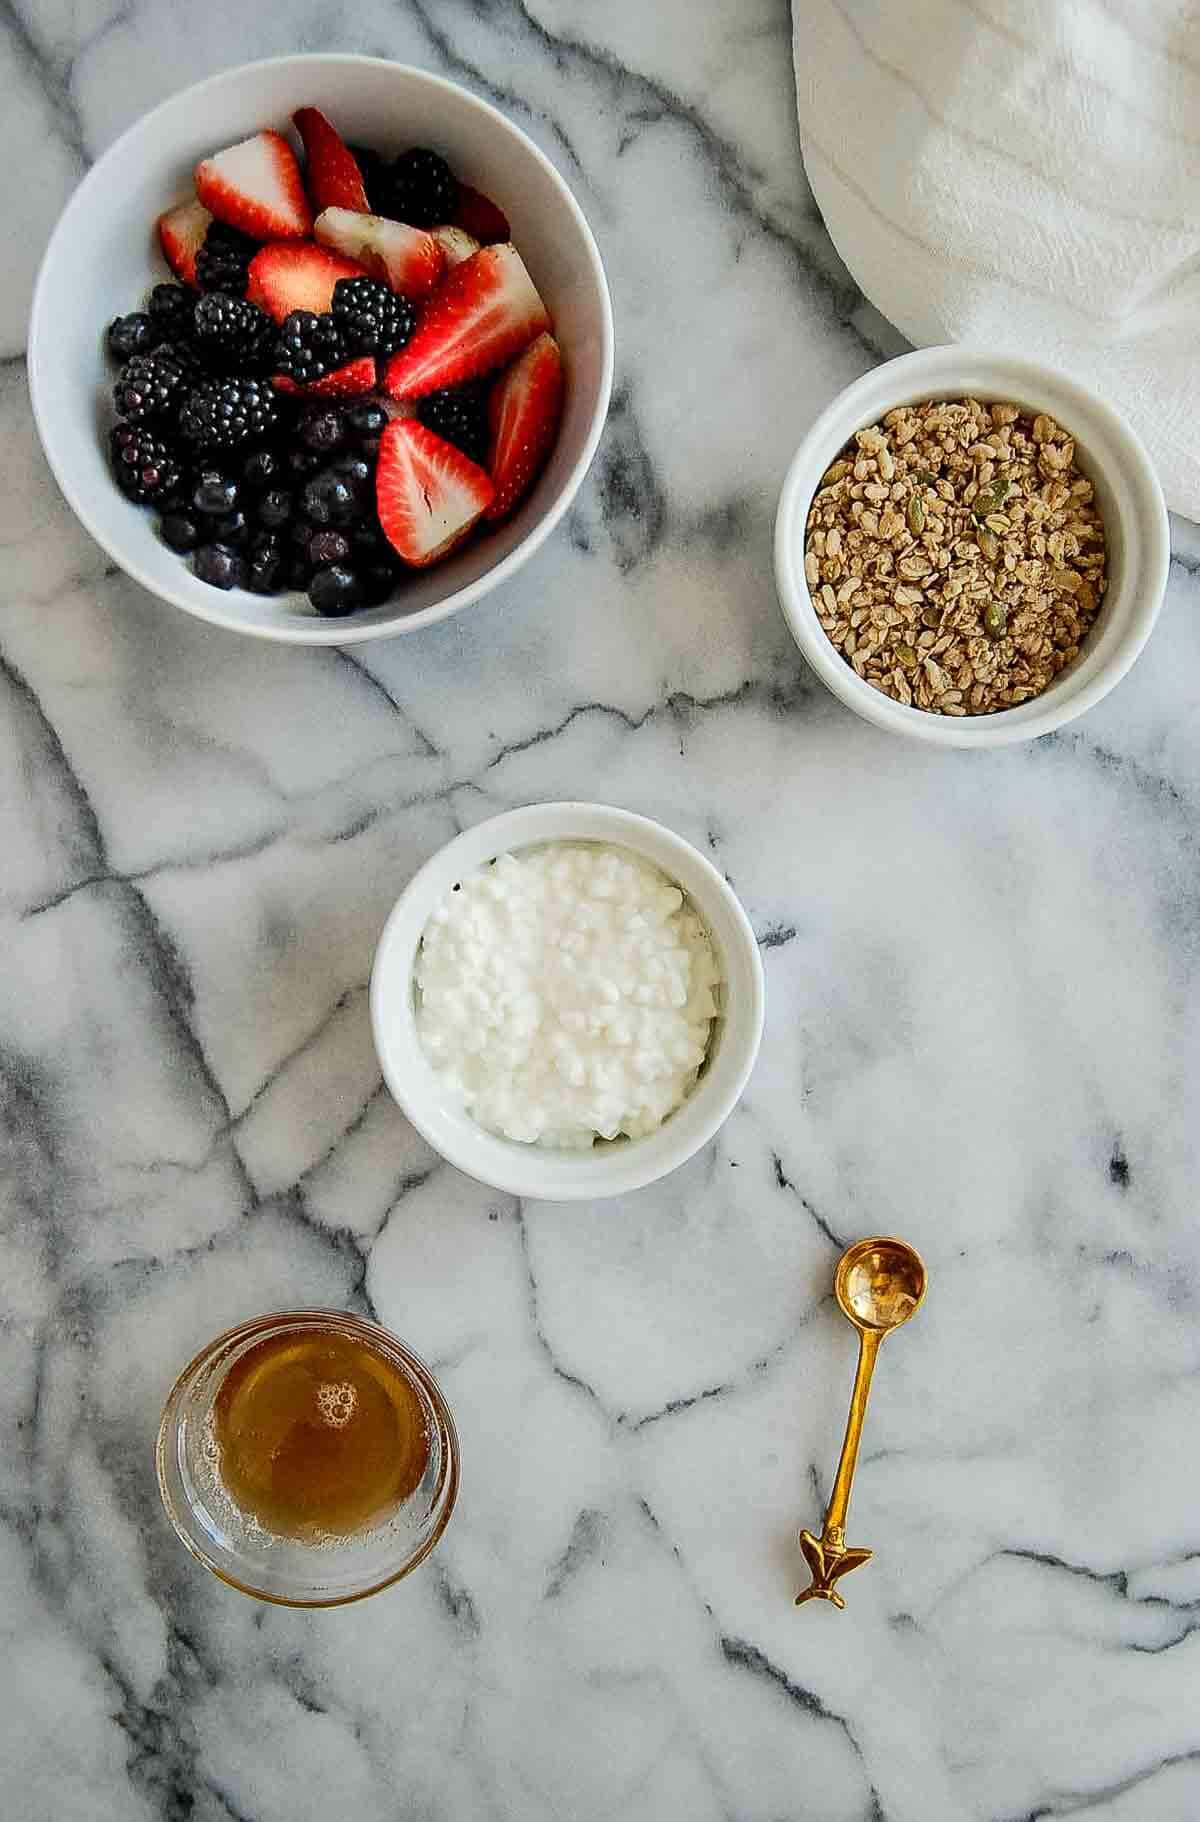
pixel 328 1572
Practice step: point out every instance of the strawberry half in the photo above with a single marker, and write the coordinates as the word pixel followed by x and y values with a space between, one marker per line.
pixel 296 275
pixel 427 494
pixel 181 233
pixel 524 410
pixel 407 259
pixel 346 382
pixel 456 244
pixel 256 186
pixel 487 311
pixel 331 172
pixel 480 216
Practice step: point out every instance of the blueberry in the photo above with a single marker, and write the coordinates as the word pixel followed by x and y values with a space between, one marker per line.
pixel 214 493
pixel 323 429
pixel 266 564
pixel 335 590
pixel 353 467
pixel 262 469
pixel 377 581
pixel 179 531
pixel 130 335
pixel 275 509
pixel 299 571
pixel 370 545
pixel 219 567
pixel 329 499
pixel 328 547
pixel 366 419
pixel 232 528
pixel 303 461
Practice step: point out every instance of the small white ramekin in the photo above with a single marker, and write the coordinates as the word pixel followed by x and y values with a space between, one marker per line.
pixel 1127 492
pixel 608 1169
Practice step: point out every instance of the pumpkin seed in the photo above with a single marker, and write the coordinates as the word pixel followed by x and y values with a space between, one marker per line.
pixel 995 620
pixel 988 543
pixel 916 515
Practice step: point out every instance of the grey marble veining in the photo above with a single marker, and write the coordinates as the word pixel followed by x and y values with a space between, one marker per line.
pixel 982 1033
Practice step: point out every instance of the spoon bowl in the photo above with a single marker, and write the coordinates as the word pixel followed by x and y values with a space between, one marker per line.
pixel 880 1283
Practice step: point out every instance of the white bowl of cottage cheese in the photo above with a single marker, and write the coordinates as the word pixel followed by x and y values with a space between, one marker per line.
pixel 567 1001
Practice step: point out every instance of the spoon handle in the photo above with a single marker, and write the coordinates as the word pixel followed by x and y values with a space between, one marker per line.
pixel 839 1499
pixel 827 1556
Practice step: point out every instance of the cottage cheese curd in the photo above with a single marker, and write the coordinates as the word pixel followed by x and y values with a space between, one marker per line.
pixel 566 993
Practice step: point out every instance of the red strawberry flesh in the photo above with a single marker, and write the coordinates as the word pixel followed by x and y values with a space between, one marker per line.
pixel 407 259
pixel 428 494
pixel 524 410
pixel 256 186
pixel 296 275
pixel 332 176
pixel 355 377
pixel 181 234
pixel 486 311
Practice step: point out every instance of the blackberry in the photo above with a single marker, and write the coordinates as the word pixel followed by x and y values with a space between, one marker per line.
pixel 170 308
pixel 459 414
pixel 302 462
pixel 308 347
pixel 145 468
pixel 373 170
pixel 219 567
pixel 266 562
pixel 181 354
pixel 374 319
pixel 232 336
pixel 420 188
pixel 224 260
pixel 335 590
pixel 149 387
pixel 130 335
pixel 330 500
pixel 180 531
pixel 225 414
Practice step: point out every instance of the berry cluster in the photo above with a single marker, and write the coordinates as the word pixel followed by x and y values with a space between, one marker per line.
pixel 354 372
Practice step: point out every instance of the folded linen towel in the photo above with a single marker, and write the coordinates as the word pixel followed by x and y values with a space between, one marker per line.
pixel 1023 173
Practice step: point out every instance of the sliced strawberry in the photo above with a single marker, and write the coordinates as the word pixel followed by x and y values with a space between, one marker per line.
pixel 296 275
pixel 524 410
pixel 256 186
pixel 181 231
pixel 333 178
pixel 480 216
pixel 343 383
pixel 407 259
pixel 427 494
pixel 487 311
pixel 456 244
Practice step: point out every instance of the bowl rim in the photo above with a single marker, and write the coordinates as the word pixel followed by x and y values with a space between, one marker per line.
pixel 322 632
pixel 524 1170
pixel 937 367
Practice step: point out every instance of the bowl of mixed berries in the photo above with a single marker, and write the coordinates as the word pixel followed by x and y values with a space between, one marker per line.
pixel 321 349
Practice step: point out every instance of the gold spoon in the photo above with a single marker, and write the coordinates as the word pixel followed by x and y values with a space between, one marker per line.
pixel 879 1284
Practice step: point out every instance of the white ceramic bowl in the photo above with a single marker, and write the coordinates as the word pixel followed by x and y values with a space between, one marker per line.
pixel 1127 492
pixel 103 257
pixel 608 1169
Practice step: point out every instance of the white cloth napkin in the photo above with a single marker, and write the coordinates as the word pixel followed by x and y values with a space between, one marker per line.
pixel 1026 174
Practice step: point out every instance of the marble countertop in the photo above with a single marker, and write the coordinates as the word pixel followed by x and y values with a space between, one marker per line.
pixel 981 1033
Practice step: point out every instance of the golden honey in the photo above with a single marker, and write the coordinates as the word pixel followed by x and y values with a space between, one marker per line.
pixel 318 1435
